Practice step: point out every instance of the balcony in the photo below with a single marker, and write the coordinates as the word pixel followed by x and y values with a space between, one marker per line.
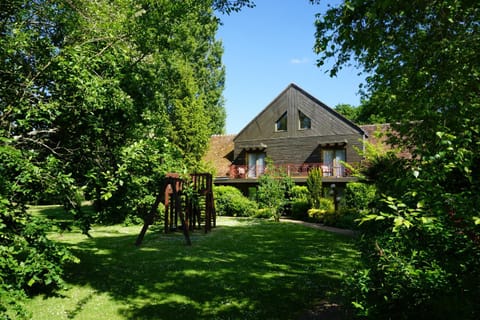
pixel 292 170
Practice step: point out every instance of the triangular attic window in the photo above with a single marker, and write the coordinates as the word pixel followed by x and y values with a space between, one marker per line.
pixel 281 124
pixel 304 121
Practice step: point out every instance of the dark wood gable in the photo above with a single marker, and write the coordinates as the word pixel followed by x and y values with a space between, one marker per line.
pixel 324 120
pixel 325 128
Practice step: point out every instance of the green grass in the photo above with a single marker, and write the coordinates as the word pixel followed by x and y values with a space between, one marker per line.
pixel 243 269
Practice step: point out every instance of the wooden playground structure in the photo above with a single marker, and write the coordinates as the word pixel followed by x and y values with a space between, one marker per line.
pixel 189 201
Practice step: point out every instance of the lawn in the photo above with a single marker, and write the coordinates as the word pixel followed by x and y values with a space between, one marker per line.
pixel 243 269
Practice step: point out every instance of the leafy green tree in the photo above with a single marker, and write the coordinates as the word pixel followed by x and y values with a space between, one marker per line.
pixel 30 35
pixel 366 113
pixel 348 111
pixel 29 261
pixel 102 97
pixel 422 244
pixel 274 189
pixel 228 6
pixel 370 113
pixel 109 92
pixel 175 84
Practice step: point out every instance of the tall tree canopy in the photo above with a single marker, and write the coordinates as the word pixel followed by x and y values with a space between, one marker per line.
pixel 423 62
pixel 98 99
pixel 422 57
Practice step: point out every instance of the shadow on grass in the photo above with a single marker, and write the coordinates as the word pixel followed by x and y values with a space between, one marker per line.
pixel 257 270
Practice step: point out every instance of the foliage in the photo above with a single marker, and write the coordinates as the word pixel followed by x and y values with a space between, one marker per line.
pixel 299 203
pixel 274 190
pixel 263 213
pixel 325 213
pixel 184 109
pixel 29 261
pixel 359 196
pixel 369 113
pixel 315 188
pixel 144 164
pixel 366 113
pixel 228 6
pixel 299 192
pixel 425 240
pixel 421 246
pixel 346 219
pixel 300 208
pixel 229 201
pixel 348 111
pixel 98 99
pixel 80 81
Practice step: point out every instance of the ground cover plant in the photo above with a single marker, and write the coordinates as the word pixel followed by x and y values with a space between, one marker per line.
pixel 244 269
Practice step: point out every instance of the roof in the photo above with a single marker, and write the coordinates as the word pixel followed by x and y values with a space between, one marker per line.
pixel 377 133
pixel 378 136
pixel 305 102
pixel 220 154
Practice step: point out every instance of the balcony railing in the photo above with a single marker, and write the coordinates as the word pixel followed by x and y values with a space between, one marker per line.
pixel 293 170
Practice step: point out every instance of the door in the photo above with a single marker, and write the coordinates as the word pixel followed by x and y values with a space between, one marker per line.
pixel 338 168
pixel 332 161
pixel 256 164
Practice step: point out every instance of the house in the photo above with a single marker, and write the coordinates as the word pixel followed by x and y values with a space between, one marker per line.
pixel 297 132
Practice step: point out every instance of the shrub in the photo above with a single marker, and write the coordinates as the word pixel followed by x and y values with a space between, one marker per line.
pixel 347 219
pixel 229 201
pixel 314 186
pixel 299 193
pixel 359 196
pixel 300 208
pixel 264 213
pixel 325 213
pixel 327 205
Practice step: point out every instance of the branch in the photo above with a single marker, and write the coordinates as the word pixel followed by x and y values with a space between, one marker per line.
pixel 35 132
pixel 39 143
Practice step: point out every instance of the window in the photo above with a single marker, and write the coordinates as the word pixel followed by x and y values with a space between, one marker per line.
pixel 256 164
pixel 332 162
pixel 304 121
pixel 281 124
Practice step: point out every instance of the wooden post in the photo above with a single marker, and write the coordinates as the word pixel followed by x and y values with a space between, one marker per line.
pixel 178 204
pixel 151 215
pixel 174 204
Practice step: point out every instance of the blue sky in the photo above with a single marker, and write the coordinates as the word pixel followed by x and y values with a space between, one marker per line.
pixel 267 48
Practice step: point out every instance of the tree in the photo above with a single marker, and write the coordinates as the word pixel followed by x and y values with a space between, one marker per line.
pixel 227 6
pixel 422 244
pixel 122 76
pixel 348 111
pixel 274 188
pixel 102 97
pixel 366 113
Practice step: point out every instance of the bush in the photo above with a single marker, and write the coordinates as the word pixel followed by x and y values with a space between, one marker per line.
pixel 347 219
pixel 300 208
pixel 325 213
pixel 264 213
pixel 229 201
pixel 359 196
pixel 314 185
pixel 299 193
pixel 327 205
